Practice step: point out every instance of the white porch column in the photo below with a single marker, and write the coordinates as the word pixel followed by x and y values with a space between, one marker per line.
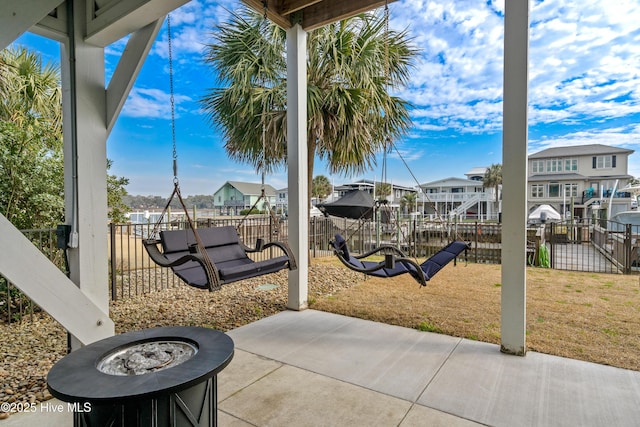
pixel 297 168
pixel 514 174
pixel 85 137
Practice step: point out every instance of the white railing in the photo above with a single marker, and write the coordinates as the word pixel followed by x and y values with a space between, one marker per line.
pixel 454 197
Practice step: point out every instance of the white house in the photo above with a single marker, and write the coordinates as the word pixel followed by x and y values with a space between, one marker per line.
pixel 465 198
pixel 583 176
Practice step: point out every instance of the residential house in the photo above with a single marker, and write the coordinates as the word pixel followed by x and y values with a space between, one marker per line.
pixel 394 199
pixel 234 196
pixel 282 201
pixel 464 198
pixel 583 176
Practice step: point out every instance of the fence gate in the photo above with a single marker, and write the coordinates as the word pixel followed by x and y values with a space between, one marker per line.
pixel 586 246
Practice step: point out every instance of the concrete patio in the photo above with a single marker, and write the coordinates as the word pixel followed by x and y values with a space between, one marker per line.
pixel 312 368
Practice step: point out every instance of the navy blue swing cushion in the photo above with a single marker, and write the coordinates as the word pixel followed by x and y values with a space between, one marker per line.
pixel 397 262
pixel 225 251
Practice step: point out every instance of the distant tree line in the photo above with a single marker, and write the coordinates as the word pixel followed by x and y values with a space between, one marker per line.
pixel 200 201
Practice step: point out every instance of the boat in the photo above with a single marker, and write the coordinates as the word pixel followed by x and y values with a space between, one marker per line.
pixel 355 204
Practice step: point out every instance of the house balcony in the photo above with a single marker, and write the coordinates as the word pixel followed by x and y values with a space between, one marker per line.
pixel 455 197
pixel 589 195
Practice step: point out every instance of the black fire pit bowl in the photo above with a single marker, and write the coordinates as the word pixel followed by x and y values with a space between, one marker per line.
pixel 154 377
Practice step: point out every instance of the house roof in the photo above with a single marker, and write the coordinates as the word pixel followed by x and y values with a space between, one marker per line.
pixel 451 182
pixel 579 150
pixel 480 170
pixel 250 188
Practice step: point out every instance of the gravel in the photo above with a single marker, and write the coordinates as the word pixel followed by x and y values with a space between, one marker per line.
pixel 31 348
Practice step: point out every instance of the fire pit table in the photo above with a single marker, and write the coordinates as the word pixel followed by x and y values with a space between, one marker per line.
pixel 154 377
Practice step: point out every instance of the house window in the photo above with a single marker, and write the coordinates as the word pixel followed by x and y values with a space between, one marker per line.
pixel 537 166
pixel 571 165
pixel 554 189
pixel 537 190
pixel 457 190
pixel 571 190
pixel 603 162
pixel 554 165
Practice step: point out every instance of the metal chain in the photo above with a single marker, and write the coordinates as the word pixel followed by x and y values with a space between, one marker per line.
pixel 387 143
pixel 173 105
pixel 387 69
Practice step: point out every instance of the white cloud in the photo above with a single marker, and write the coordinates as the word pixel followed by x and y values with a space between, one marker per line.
pixel 610 136
pixel 190 27
pixel 151 103
pixel 584 62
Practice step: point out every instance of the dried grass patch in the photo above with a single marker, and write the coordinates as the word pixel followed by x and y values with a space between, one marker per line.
pixel 586 316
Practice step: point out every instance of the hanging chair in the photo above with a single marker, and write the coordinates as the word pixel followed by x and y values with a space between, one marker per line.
pixel 222 249
pixel 396 262
pixel 207 258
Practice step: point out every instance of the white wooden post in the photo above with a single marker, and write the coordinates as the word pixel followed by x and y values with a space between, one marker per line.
pixel 85 140
pixel 297 168
pixel 514 171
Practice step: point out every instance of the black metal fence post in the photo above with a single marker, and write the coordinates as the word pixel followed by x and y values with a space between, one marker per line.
pixel 552 243
pixel 112 237
pixel 627 249
pixel 475 238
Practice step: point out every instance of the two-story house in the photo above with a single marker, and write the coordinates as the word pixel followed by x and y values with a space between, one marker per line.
pixel 582 176
pixel 234 196
pixel 464 198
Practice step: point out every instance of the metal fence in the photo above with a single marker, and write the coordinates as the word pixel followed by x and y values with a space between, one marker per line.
pixel 14 305
pixel 417 237
pixel 132 272
pixel 591 245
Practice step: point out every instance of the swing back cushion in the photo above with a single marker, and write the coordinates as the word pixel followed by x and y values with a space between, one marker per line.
pixel 224 250
pixel 442 258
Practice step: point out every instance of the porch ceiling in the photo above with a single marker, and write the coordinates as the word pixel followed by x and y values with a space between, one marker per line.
pixel 312 13
pixel 110 20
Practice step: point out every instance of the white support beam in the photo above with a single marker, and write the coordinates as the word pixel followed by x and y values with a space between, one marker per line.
pixel 128 69
pixel 28 269
pixel 109 21
pixel 297 165
pixel 16 17
pixel 514 177
pixel 85 156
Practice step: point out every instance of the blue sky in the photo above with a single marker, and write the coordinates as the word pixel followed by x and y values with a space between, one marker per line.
pixel 584 89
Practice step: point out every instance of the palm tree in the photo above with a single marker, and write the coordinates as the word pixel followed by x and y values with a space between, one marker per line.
pixel 321 187
pixel 382 189
pixel 493 179
pixel 351 66
pixel 32 91
pixel 409 201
